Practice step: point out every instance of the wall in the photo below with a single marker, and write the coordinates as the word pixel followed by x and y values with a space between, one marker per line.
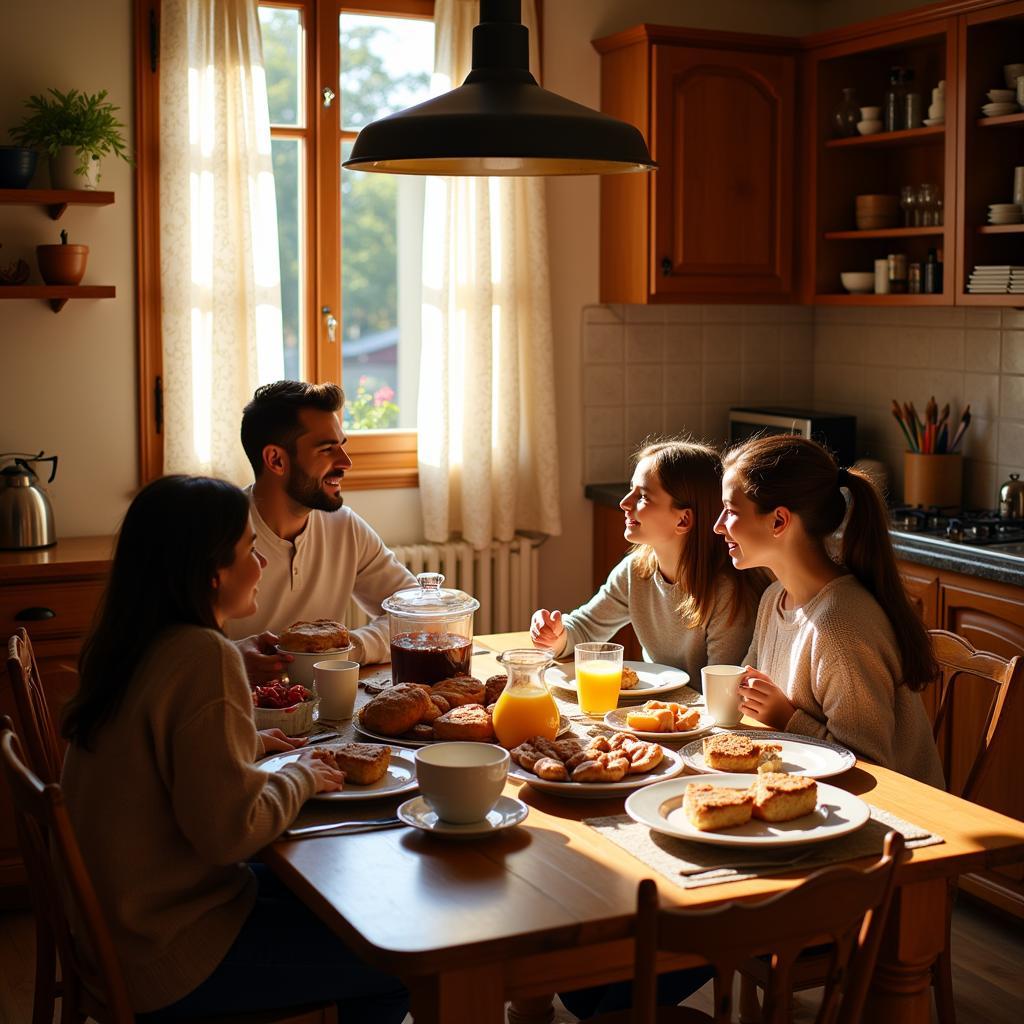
pixel 863 358
pixel 69 380
pixel 686 366
pixel 572 69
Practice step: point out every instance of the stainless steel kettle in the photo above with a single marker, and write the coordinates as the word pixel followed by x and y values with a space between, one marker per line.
pixel 1011 498
pixel 26 517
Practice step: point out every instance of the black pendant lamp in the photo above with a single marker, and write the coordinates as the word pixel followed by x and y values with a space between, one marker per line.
pixel 500 121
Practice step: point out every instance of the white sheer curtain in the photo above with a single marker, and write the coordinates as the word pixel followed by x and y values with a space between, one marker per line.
pixel 488 452
pixel 219 270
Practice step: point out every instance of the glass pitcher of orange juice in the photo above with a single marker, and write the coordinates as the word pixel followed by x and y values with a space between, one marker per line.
pixel 525 707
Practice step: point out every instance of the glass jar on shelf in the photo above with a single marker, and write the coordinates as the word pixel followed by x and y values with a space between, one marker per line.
pixel 846 115
pixel 926 199
pixel 908 203
pixel 894 109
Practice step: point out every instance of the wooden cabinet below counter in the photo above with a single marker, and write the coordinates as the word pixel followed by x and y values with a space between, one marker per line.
pixel 53 593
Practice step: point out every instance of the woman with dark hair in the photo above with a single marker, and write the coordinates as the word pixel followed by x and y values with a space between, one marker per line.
pixel 162 788
pixel 686 602
pixel 838 652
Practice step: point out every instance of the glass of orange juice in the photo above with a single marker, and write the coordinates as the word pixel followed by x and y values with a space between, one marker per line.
pixel 598 677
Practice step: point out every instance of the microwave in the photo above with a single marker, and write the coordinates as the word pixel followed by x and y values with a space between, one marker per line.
pixel 837 432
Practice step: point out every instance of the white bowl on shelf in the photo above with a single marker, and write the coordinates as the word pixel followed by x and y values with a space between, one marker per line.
pixel 869 127
pixel 870 113
pixel 858 282
pixel 1011 72
pixel 999 109
pixel 1002 95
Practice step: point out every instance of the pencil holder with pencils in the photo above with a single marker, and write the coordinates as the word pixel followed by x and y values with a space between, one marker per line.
pixel 933 479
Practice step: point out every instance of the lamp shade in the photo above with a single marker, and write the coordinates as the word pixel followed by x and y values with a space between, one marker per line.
pixel 500 121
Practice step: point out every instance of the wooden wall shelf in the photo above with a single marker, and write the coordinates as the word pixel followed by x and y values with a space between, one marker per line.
pixel 57 295
pixel 907 137
pixel 885 233
pixel 844 299
pixel 55 200
pixel 1001 229
pixel 1005 121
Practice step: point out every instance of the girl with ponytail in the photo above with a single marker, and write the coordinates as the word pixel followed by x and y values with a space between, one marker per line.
pixel 837 652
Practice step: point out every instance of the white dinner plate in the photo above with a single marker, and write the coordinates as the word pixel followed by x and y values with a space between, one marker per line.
pixel 661 808
pixel 654 679
pixel 815 758
pixel 563 728
pixel 671 765
pixel 616 719
pixel 508 811
pixel 400 777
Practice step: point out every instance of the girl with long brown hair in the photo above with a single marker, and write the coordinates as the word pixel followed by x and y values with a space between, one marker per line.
pixel 688 605
pixel 837 651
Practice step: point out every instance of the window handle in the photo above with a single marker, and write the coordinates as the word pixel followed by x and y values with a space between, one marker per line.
pixel 332 323
pixel 328 94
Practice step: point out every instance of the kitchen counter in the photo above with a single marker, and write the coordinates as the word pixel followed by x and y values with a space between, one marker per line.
pixel 982 562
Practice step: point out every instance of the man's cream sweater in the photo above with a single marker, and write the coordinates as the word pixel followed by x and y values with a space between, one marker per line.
pixel 837 660
pixel 167 806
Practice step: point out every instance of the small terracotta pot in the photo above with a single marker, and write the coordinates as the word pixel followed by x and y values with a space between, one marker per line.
pixel 62 264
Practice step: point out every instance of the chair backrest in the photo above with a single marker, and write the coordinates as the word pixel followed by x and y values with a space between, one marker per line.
pixel 57 873
pixel 841 905
pixel 960 665
pixel 32 714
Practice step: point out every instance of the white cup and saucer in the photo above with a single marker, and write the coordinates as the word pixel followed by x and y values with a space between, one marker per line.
pixel 460 791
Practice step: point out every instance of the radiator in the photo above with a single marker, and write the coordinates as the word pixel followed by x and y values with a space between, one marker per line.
pixel 502 577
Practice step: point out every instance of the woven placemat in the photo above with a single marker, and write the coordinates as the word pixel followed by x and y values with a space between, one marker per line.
pixel 691 865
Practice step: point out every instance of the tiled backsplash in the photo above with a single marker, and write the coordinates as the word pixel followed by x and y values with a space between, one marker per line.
pixel 865 357
pixel 688 364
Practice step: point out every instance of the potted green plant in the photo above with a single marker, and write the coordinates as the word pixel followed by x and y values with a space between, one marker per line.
pixel 75 129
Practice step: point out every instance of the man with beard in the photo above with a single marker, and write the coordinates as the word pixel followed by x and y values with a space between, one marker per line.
pixel 319 553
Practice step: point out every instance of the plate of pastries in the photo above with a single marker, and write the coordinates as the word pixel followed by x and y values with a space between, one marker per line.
pixel 371 769
pixel 594 768
pixel 639 678
pixel 770 809
pixel 459 708
pixel 760 750
pixel 661 720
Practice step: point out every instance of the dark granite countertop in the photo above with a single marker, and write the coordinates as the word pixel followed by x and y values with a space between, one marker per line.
pixel 984 563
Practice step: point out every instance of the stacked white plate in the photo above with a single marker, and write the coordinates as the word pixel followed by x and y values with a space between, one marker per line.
pixel 1005 213
pixel 999 109
pixel 996 280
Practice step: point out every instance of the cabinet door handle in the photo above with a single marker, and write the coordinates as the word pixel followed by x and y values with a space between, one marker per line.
pixel 37 614
pixel 666 266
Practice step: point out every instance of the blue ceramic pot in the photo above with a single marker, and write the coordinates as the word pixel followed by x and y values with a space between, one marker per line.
pixel 17 165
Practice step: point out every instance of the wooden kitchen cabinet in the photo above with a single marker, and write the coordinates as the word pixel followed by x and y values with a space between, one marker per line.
pixel 716 221
pixel 53 593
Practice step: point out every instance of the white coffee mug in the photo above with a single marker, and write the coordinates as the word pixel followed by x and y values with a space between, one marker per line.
pixel 722 693
pixel 461 781
pixel 335 683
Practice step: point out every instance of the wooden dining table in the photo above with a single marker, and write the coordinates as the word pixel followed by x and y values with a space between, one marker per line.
pixel 549 906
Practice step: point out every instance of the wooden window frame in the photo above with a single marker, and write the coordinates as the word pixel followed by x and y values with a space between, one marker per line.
pixel 382 458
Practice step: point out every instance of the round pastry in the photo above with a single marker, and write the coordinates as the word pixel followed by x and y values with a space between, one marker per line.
pixel 466 722
pixel 396 710
pixel 494 687
pixel 436 707
pixel 629 678
pixel 313 637
pixel 460 690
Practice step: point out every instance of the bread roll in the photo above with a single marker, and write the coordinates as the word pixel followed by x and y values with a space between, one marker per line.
pixel 396 710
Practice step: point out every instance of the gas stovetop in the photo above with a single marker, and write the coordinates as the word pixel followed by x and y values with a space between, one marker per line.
pixel 952 527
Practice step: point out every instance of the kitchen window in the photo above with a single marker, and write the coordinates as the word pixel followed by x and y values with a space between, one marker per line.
pixel 350 243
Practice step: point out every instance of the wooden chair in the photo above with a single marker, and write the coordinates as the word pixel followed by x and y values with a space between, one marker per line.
pixel 960 665
pixel 55 866
pixel 32 714
pixel 841 905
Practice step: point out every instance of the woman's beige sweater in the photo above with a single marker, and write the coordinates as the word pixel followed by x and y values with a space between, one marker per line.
pixel 169 804
pixel 837 660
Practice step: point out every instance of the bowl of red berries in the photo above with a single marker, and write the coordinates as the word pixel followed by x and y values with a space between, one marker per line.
pixel 285 706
